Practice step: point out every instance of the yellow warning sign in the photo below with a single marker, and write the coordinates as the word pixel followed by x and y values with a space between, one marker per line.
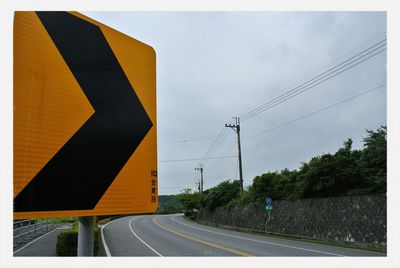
pixel 85 130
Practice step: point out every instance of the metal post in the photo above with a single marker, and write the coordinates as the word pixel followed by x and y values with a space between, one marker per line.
pixel 29 229
pixel 85 236
pixel 269 219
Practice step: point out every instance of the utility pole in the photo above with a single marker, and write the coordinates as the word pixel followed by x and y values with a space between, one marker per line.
pixel 201 178
pixel 236 128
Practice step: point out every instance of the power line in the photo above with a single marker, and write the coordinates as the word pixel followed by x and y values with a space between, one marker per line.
pixel 345 65
pixel 332 72
pixel 281 99
pixel 298 89
pixel 168 187
pixel 218 161
pixel 178 175
pixel 329 71
pixel 297 119
pixel 214 142
pixel 193 159
pixel 214 147
pixel 364 44
pixel 316 112
pixel 187 140
pixel 284 100
pixel 332 62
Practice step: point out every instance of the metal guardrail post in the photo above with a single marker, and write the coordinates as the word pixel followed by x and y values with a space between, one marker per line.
pixel 25 230
pixel 29 228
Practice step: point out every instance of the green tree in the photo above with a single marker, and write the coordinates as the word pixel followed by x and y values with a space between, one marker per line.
pixel 220 195
pixel 168 204
pixel 332 175
pixel 190 200
pixel 374 160
pixel 317 176
pixel 346 172
pixel 285 185
pixel 263 185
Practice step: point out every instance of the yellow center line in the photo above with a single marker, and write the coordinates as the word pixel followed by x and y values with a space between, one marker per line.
pixel 238 252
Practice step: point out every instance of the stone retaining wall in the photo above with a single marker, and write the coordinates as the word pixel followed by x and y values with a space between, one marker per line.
pixel 353 219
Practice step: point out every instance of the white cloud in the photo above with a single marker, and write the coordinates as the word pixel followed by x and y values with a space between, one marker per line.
pixel 215 65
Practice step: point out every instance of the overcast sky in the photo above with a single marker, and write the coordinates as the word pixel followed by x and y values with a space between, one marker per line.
pixel 212 66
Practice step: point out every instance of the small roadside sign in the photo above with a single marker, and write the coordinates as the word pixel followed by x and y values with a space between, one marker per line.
pixel 268 204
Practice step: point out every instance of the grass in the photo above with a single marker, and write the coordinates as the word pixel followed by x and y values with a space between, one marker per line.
pixel 57 220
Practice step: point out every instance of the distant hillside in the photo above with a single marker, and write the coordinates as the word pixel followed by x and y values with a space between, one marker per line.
pixel 169 204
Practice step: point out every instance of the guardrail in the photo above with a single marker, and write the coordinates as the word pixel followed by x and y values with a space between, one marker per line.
pixel 27 230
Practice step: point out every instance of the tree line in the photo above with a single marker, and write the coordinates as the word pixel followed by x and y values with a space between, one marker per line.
pixel 344 173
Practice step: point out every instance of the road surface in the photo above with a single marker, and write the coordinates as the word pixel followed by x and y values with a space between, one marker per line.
pixel 44 245
pixel 172 235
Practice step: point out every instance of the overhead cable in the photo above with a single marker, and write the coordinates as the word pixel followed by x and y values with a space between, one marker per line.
pixel 332 72
pixel 315 112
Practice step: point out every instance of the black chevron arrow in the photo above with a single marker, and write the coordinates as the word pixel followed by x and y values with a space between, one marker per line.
pixel 78 175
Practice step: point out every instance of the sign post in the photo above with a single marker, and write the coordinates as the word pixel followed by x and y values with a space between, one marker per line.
pixel 268 207
pixel 85 236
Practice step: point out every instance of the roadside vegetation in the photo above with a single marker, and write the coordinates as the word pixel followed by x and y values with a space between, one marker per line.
pixel 347 172
pixel 67 241
pixel 169 204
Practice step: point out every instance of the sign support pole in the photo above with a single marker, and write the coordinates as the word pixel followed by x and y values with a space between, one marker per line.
pixel 266 224
pixel 85 236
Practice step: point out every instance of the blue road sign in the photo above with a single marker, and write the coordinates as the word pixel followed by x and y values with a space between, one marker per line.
pixel 268 203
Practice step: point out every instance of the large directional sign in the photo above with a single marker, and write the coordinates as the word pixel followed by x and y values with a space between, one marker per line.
pixel 85 140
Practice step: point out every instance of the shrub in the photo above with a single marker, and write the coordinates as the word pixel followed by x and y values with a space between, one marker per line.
pixel 67 242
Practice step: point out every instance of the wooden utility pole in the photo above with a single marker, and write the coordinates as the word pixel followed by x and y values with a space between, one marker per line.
pixel 236 128
pixel 201 178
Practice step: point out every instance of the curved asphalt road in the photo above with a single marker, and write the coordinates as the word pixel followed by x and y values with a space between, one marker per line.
pixel 172 235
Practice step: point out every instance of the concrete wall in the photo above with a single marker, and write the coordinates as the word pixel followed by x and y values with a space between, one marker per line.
pixel 357 219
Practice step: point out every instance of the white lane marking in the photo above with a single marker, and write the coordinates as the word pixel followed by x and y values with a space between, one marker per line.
pixel 35 240
pixel 141 240
pixel 255 240
pixel 103 238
